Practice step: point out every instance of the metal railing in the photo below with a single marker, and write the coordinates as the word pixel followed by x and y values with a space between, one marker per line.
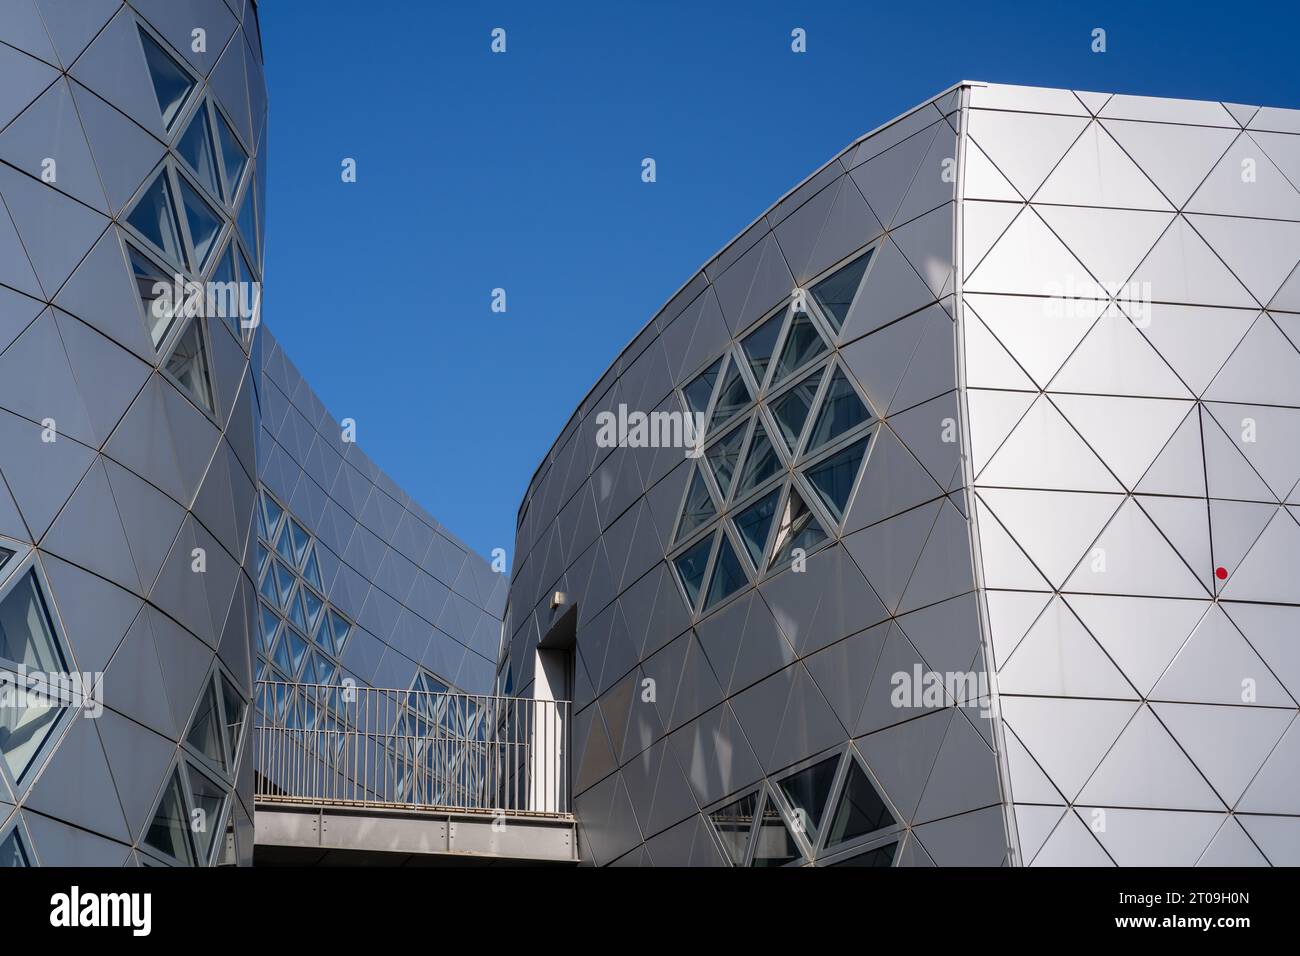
pixel 409 749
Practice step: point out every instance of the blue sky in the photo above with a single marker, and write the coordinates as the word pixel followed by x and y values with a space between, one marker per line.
pixel 522 171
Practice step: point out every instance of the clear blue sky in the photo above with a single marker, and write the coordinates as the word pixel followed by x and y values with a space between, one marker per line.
pixel 523 171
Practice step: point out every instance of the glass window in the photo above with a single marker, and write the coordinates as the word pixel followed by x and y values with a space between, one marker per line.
pixel 156 218
pixel 733 824
pixel 27 645
pixel 755 522
pixel 860 810
pixel 835 293
pixel 311 571
pixel 269 621
pixel 728 574
pixel 285 580
pixel 807 792
pixel 841 411
pixel 880 856
pixel 724 455
pixel 699 509
pixel 281 653
pixel 234 707
pixel 202 221
pixel 169 831
pixel 803 343
pixel 26 632
pixel 210 800
pixel 262 555
pixel 691 566
pixel 759 344
pixel 791 409
pixel 188 364
pixel 233 158
pixel 205 729
pixel 733 396
pixel 267 587
pixel 160 311
pixel 297 616
pixel 700 390
pixel 773 844
pixel 340 629
pixel 760 464
pixel 297 648
pixel 311 606
pixel 300 541
pixel 12 851
pixel 197 148
pixel 284 545
pixel 833 478
pixel 798 528
pixel 273 513
pixel 171 83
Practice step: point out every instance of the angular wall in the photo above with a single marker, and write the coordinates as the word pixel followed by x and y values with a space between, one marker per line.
pixel 357 581
pixel 740 616
pixel 1130 296
pixel 130 153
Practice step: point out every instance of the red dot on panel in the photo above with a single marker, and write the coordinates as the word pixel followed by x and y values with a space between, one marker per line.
pixel 1221 573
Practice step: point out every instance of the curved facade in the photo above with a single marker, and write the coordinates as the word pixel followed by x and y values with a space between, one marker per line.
pixel 983 559
pixel 179 515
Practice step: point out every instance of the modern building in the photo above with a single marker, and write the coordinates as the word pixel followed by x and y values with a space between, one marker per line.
pixel 988 555
pixel 983 557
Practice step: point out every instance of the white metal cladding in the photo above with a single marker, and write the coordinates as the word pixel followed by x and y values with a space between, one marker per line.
pixel 1129 328
pixel 1120 273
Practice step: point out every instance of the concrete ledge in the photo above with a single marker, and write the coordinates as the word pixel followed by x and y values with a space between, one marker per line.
pixel 331 832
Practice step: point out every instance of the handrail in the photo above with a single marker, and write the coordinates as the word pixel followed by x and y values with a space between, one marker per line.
pixel 343 744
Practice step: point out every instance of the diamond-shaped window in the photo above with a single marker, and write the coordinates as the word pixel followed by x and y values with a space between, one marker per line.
pixel 169 830
pixel 807 792
pixel 842 411
pixel 233 158
pixel 13 851
pixel 734 823
pixel 836 292
pixel 29 646
pixel 273 513
pixel 859 810
pixel 774 845
pixel 301 539
pixel 203 222
pixel 311 571
pixel 761 462
pixel 803 343
pixel 284 580
pixel 833 478
pixel 198 148
pixel 755 522
pixel 160 311
pixel 208 809
pixel 206 730
pixel 732 397
pixel 691 565
pixel 791 409
pixel 311 605
pixel 698 509
pixel 188 364
pixel 171 83
pixel 156 218
pixel 700 390
pixel 797 528
pixel 339 630
pixel 723 457
pixel 759 345
pixel 728 574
